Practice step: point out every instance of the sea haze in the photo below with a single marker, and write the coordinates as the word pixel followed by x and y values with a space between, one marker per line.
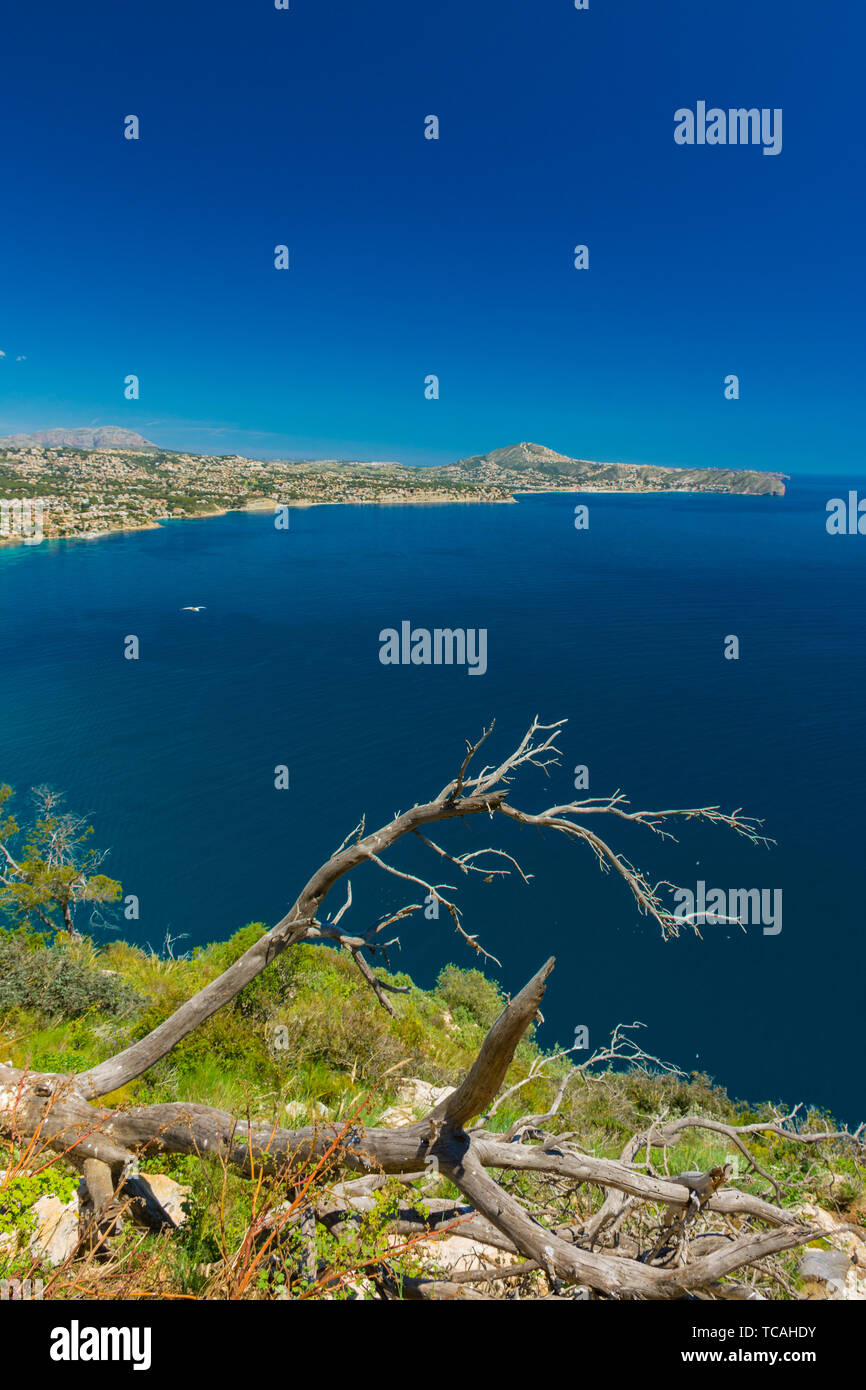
pixel 619 628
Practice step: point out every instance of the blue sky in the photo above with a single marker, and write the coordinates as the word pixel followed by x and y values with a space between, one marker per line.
pixel 451 257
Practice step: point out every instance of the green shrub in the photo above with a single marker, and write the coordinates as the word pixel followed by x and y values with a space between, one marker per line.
pixel 59 981
pixel 468 992
pixel 20 1189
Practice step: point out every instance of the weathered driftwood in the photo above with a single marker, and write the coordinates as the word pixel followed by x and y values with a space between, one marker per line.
pixel 62 1112
pixel 108 1142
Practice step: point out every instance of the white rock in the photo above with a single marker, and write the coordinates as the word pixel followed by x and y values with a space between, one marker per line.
pixel 171 1195
pixel 824 1273
pixel 396 1116
pixel 415 1098
pixel 850 1285
pixel 421 1094
pixel 453 1254
pixel 55 1239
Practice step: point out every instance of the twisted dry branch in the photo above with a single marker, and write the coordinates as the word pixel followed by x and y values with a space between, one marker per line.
pixel 112 1141
pixel 461 799
pixel 59 1111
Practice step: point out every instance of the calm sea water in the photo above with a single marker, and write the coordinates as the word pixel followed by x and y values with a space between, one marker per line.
pixel 619 629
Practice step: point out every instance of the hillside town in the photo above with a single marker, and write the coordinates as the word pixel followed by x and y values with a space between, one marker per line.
pixel 89 493
pixel 56 490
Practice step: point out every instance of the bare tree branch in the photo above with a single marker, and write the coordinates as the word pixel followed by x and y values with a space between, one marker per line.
pixel 464 797
pixel 58 1111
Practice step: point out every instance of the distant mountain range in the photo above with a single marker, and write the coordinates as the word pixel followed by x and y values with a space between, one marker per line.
pixel 523 460
pixel 106 437
pixel 518 467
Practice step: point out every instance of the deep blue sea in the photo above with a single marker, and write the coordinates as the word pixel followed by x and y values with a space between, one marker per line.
pixel 619 628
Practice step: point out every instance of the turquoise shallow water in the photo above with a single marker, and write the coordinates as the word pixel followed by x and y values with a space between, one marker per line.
pixel 619 629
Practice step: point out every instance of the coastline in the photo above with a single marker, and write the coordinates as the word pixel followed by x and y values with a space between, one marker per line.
pixel 268 504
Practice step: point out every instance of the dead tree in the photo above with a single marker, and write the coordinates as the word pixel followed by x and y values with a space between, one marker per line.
pixel 107 1144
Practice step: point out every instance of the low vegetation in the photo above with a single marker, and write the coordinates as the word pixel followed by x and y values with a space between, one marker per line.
pixel 277 1116
pixel 308 1033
